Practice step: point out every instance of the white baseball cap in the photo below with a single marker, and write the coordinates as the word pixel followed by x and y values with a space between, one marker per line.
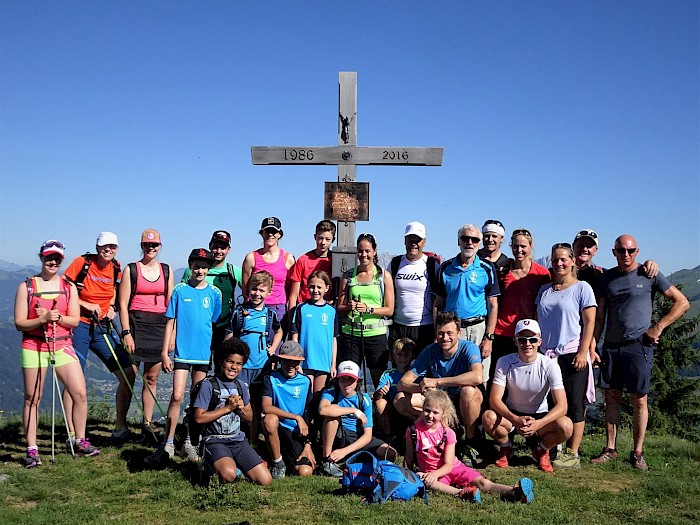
pixel 349 369
pixel 528 325
pixel 415 228
pixel 105 238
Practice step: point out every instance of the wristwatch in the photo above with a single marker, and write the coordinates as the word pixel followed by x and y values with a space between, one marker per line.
pixel 490 337
pixel 125 332
pixel 370 310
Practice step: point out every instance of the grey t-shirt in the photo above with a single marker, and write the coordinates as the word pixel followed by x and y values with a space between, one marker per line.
pixel 228 427
pixel 630 298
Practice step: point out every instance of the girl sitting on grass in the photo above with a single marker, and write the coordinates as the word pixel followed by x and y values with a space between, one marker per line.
pixel 430 444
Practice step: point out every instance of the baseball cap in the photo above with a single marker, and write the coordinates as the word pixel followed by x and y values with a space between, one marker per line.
pixel 591 234
pixel 415 228
pixel 221 235
pixel 105 238
pixel 349 369
pixel 271 222
pixel 529 325
pixel 150 235
pixel 201 254
pixel 51 247
pixel 291 350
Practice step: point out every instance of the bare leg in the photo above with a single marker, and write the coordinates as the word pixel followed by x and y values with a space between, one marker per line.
pixel 270 424
pixel 123 397
pixel 71 375
pixel 470 399
pixel 496 426
pixel 33 388
pixel 226 469
pixel 150 373
pixel 330 428
pixel 640 418
pixel 179 383
pixel 556 432
pixel 486 485
pixel 613 400
pixel 575 441
pixel 260 475
pixel 409 405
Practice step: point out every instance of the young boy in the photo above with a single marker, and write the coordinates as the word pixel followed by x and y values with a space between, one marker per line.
pixel 258 327
pixel 402 355
pixel 285 402
pixel 347 425
pixel 317 259
pixel 193 307
pixel 225 445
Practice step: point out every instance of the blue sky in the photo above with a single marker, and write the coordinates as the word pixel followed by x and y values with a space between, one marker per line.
pixel 554 116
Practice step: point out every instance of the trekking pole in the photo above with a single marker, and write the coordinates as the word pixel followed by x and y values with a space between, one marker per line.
pixel 362 343
pixel 57 388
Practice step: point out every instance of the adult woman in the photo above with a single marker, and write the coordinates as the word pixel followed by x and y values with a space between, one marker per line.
pixel 144 294
pixel 519 284
pixel 273 259
pixel 46 309
pixel 566 312
pixel 366 298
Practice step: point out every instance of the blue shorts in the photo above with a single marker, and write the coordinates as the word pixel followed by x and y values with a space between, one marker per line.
pixel 89 337
pixel 239 451
pixel 626 365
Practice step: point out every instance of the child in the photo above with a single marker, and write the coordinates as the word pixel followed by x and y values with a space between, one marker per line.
pixel 193 307
pixel 254 323
pixel 225 446
pixel 315 327
pixel 285 401
pixel 402 355
pixel 318 259
pixel 347 425
pixel 430 445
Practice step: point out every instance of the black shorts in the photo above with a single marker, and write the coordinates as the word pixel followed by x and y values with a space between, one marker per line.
pixel 292 445
pixel 344 437
pixel 376 350
pixel 239 451
pixel 148 331
pixel 575 386
pixel 627 366
pixel 532 441
pixel 422 335
pixel 194 368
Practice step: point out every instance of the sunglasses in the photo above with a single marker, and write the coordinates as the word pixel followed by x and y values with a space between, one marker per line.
pixel 522 231
pixel 623 251
pixel 564 245
pixel 149 245
pixel 55 244
pixel 468 239
pixel 224 236
pixel 587 233
pixel 493 221
pixel 54 258
pixel 107 247
pixel 523 340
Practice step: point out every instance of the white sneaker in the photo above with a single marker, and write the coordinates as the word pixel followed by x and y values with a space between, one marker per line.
pixel 170 450
pixel 188 452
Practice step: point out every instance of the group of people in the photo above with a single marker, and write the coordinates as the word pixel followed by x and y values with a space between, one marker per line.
pixel 480 344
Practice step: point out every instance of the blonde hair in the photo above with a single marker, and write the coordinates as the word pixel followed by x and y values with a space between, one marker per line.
pixel 404 344
pixel 441 399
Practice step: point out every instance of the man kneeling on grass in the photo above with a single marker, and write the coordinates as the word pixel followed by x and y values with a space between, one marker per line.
pixel 225 445
pixel 347 423
pixel 529 376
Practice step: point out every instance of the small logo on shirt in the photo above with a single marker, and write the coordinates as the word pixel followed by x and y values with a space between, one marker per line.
pixel 324 318
pixel 472 276
pixel 297 392
pixel 187 300
pixel 640 286
pixel 205 302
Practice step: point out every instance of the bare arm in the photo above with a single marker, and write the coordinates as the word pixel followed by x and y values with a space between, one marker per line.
pixel 343 306
pixel 233 404
pixel 293 295
pixel 269 408
pixel 486 344
pixel 680 306
pixel 246 272
pixel 407 383
pixel 124 295
pixel 588 317
pixel 474 377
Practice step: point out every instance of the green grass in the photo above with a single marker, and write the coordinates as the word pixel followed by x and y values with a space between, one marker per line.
pixel 114 488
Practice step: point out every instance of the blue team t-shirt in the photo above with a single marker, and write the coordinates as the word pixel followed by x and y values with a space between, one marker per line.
pixel 253 333
pixel 317 326
pixel 349 422
pixel 466 290
pixel 228 426
pixel 289 394
pixel 194 310
pixel 431 363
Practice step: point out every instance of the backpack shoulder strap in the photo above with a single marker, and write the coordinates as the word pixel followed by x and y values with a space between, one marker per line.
pixel 82 274
pixel 394 265
pixel 216 393
pixel 134 277
pixel 414 436
pixel 231 276
pixel 165 270
pixel 433 267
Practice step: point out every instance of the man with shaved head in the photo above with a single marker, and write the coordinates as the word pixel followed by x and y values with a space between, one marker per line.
pixel 626 298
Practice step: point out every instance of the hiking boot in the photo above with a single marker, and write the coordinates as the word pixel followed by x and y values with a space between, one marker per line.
pixel 32 460
pixel 123 436
pixel 542 458
pixel 567 459
pixel 502 458
pixel 188 452
pixel 151 434
pixel 84 448
pixel 638 461
pixel 470 493
pixel 330 468
pixel 279 470
pixel 608 454
pixel 523 491
pixel 161 456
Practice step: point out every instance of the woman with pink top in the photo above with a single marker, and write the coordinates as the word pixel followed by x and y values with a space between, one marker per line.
pixel 273 259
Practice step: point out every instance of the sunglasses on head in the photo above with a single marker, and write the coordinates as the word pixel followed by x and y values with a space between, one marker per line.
pixel 622 251
pixel 522 231
pixel 149 245
pixel 468 238
pixel 523 340
pixel 493 221
pixel 587 233
pixel 564 245
pixel 55 244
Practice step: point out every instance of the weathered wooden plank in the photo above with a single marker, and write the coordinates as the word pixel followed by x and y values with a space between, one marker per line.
pixel 347 155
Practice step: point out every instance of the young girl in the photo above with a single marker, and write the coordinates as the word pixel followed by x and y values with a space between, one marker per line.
pixel 431 445
pixel 315 328
pixel 402 354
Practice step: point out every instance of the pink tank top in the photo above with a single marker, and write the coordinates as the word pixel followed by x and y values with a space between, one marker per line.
pixel 149 296
pixel 50 300
pixel 278 269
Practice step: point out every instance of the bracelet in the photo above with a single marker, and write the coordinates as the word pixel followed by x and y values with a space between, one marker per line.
pixel 60 318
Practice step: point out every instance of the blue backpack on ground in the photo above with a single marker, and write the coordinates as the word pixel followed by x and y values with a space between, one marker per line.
pixel 380 480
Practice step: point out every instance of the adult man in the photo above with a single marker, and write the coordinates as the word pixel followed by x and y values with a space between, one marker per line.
pixel 414 275
pixel 494 232
pixel 452 364
pixel 528 376
pixel 625 306
pixel 225 276
pixel 468 287
pixel 97 277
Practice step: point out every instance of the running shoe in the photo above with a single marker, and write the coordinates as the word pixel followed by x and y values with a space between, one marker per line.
pixel 70 444
pixel 123 436
pixel 188 452
pixel 638 461
pixel 523 491
pixel 84 448
pixel 330 468
pixel 567 459
pixel 502 458
pixel 32 460
pixel 608 454
pixel 542 458
pixel 278 470
pixel 160 457
pixel 470 493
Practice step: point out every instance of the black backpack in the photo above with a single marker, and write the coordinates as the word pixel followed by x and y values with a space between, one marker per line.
pixel 88 258
pixel 432 263
pixel 133 274
pixel 196 429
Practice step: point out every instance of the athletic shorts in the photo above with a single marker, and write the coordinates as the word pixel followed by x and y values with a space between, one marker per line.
pixel 422 335
pixel 344 437
pixel 376 350
pixel 292 445
pixel 239 451
pixel 627 366
pixel 575 386
pixel 88 337
pixel 189 366
pixel 36 359
pixel 460 475
pixel 148 331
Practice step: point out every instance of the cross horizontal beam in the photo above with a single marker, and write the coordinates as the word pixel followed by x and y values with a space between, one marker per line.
pixel 347 155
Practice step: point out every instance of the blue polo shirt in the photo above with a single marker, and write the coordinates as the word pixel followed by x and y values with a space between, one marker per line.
pixel 431 363
pixel 289 394
pixel 466 289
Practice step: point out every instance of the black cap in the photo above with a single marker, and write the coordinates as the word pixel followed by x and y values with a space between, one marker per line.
pixel 201 254
pixel 221 236
pixel 271 222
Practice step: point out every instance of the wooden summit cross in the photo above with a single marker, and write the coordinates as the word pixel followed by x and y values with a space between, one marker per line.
pixel 347 155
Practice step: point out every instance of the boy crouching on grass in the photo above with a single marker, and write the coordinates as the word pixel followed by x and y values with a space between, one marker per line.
pixel 347 424
pixel 225 445
pixel 285 402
